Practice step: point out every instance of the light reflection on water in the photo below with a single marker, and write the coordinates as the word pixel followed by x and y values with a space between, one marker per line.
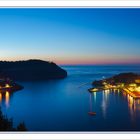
pixel 5 97
pixel 133 104
pixel 58 105
pixel 0 98
pixel 105 101
pixel 94 96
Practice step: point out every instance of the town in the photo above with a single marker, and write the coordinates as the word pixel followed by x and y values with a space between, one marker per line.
pixel 126 82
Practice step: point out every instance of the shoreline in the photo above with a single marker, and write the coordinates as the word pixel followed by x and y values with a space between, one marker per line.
pixel 135 95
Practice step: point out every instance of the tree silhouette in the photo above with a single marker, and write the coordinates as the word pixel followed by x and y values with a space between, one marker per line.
pixel 7 124
pixel 21 127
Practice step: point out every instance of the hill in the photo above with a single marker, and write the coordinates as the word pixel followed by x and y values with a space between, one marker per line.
pixel 125 78
pixel 30 70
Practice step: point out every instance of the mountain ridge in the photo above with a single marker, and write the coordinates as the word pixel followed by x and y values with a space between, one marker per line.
pixel 32 69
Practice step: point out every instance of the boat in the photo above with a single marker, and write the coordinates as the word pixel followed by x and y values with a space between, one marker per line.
pixel 92 113
pixel 94 90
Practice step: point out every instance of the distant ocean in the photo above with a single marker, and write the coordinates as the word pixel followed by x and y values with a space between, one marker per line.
pixel 63 105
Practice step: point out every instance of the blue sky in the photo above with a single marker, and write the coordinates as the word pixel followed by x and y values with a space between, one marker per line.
pixel 71 36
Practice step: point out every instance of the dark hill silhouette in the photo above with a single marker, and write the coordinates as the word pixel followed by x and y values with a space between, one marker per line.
pixel 30 70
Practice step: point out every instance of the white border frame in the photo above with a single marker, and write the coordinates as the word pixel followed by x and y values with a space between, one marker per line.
pixel 34 136
pixel 68 3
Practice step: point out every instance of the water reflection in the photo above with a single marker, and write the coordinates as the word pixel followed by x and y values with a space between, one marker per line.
pixel 91 104
pixel 134 106
pixel 0 98
pixel 105 101
pixel 5 96
pixel 131 106
pixel 94 96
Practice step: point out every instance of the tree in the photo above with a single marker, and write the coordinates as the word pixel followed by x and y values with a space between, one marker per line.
pixel 21 127
pixel 7 124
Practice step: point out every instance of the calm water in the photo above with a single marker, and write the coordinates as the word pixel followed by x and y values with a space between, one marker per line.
pixel 63 105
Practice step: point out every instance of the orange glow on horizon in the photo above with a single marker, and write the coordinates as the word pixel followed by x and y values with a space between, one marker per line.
pixel 79 61
pixel 84 62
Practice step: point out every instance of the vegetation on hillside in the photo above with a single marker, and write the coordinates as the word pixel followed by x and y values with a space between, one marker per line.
pixel 6 124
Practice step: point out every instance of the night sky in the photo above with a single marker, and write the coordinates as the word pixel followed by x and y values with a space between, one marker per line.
pixel 71 36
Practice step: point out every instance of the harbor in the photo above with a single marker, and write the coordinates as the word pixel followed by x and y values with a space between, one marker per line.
pixel 126 82
pixel 9 85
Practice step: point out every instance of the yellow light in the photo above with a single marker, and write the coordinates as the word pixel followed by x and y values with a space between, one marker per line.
pixel 133 85
pixel 94 89
pixel 106 91
pixel 131 100
pixel 137 81
pixel 138 101
pixel 138 89
pixel 104 83
pixel 7 85
pixel 131 89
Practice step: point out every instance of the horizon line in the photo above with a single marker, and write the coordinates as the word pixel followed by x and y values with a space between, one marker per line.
pixel 75 64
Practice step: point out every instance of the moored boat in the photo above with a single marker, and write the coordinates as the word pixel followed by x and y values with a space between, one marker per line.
pixel 92 113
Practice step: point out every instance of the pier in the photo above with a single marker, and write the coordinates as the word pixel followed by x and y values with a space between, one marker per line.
pixel 134 94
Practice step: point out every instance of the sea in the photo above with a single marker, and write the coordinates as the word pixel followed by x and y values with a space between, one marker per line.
pixel 63 105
